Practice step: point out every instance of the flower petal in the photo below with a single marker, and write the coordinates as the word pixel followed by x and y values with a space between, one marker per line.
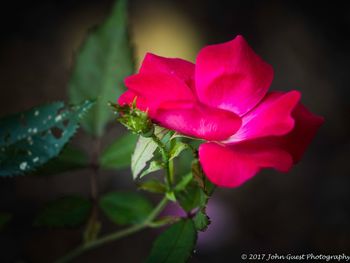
pixel 180 68
pixel 272 116
pixel 231 166
pixel 306 126
pixel 198 120
pixel 231 76
pixel 159 88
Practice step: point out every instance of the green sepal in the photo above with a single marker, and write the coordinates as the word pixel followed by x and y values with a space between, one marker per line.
pixel 134 119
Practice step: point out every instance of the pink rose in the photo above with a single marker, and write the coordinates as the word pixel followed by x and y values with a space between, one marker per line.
pixel 224 100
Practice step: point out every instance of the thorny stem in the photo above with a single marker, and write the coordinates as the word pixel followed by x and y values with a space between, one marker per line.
pixel 116 235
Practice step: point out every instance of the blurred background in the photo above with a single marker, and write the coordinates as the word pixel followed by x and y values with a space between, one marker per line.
pixel 306 42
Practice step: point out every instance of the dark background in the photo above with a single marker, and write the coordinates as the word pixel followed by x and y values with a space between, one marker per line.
pixel 304 211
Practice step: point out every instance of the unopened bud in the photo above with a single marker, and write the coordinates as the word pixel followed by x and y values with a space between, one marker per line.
pixel 134 119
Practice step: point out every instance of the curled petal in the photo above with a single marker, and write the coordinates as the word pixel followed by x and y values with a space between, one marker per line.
pixel 157 88
pixel 231 76
pixel 306 126
pixel 232 165
pixel 271 117
pixel 198 120
pixel 180 68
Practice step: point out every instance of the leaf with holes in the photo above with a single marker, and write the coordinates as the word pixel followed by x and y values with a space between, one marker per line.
pixel 174 245
pixel 125 208
pixel 144 151
pixel 118 154
pixel 30 139
pixel 101 65
pixel 68 211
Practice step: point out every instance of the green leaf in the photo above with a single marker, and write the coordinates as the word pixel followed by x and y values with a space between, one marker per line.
pixel 69 159
pixel 174 245
pixel 153 167
pixel 191 197
pixel 118 154
pixel 177 149
pixel 144 151
pixel 185 180
pixel 201 220
pixel 125 208
pixel 153 186
pixel 102 63
pixel 4 219
pixel 30 139
pixel 69 211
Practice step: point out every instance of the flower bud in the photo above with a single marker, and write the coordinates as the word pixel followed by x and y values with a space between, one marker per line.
pixel 134 119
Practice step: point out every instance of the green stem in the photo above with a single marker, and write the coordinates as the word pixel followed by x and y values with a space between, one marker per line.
pixel 91 230
pixel 116 235
pixel 165 156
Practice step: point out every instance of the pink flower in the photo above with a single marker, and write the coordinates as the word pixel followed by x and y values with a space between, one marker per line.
pixel 224 100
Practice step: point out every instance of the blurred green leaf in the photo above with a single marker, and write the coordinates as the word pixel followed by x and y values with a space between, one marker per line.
pixel 102 63
pixel 125 208
pixel 144 151
pixel 4 219
pixel 118 154
pixel 153 186
pixel 69 159
pixel 201 220
pixel 69 211
pixel 174 245
pixel 30 139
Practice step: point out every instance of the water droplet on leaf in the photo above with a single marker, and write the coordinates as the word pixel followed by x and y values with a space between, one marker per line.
pixel 58 118
pixel 23 166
